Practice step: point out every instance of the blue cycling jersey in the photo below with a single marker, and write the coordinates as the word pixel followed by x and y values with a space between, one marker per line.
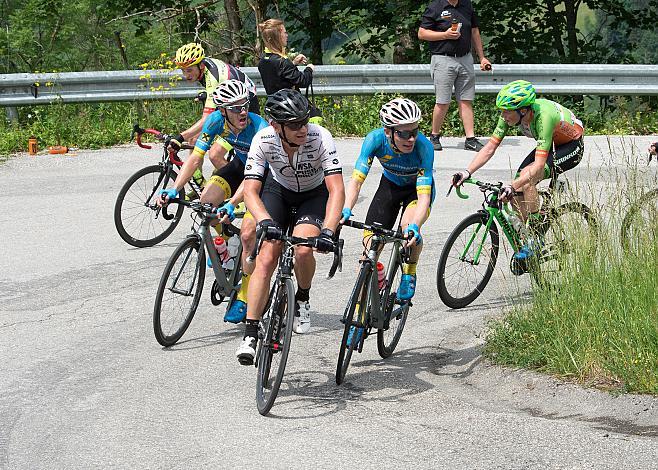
pixel 401 169
pixel 214 126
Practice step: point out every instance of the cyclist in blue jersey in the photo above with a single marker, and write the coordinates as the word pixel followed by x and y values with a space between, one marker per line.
pixel 407 157
pixel 233 128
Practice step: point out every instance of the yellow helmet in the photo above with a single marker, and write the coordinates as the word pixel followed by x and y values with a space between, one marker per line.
pixel 189 54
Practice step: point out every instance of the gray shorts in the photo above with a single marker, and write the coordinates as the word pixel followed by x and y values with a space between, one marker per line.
pixel 453 71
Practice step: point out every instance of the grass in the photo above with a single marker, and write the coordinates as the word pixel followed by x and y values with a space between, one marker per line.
pixel 106 124
pixel 600 326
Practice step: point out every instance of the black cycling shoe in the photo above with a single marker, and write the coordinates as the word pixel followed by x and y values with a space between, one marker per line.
pixel 473 144
pixel 436 141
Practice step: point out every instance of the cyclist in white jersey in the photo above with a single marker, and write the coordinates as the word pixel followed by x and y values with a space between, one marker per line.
pixel 307 175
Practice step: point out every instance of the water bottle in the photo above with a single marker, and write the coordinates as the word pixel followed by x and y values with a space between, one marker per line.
pixel 233 245
pixel 518 225
pixel 381 275
pixel 222 251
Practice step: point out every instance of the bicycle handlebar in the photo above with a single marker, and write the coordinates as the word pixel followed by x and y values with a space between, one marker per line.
pixel 275 233
pixel 376 229
pixel 138 131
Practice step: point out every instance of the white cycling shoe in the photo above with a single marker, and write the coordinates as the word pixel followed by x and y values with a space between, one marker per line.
pixel 302 322
pixel 247 351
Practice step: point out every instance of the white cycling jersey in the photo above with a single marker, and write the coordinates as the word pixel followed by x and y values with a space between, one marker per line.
pixel 305 170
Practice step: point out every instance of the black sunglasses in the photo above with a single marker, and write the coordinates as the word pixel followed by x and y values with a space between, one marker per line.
pixel 238 108
pixel 406 135
pixel 295 126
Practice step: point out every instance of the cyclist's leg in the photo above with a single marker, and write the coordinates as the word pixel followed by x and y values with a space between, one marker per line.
pixel 528 202
pixel 278 208
pixel 410 203
pixel 407 287
pixel 384 208
pixel 310 214
pixel 259 286
pixel 567 157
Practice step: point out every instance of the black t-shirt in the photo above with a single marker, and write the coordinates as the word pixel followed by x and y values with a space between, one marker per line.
pixel 438 17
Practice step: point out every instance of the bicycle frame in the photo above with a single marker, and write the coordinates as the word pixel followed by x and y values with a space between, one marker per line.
pixel 167 162
pixel 494 209
pixel 377 318
pixel 226 284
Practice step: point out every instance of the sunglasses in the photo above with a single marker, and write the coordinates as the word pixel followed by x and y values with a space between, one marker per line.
pixel 406 135
pixel 295 126
pixel 238 108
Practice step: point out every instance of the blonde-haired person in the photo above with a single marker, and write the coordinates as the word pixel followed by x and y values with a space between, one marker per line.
pixel 276 70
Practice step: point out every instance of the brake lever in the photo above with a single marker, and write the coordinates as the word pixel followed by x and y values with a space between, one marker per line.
pixel 254 252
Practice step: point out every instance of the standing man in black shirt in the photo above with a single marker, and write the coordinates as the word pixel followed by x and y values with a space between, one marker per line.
pixel 451 26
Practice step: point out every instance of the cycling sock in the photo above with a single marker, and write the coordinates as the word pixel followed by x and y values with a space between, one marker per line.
pixel 409 268
pixel 251 328
pixel 302 295
pixel 198 178
pixel 242 293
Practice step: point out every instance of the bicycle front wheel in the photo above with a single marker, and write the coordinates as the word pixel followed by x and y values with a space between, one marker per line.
pixel 572 230
pixel 395 310
pixel 179 292
pixel 274 346
pixel 640 225
pixel 354 328
pixel 138 220
pixel 467 261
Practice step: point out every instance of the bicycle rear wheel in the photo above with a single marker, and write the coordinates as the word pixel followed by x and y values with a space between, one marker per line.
pixel 459 280
pixel 357 305
pixel 640 225
pixel 572 230
pixel 395 310
pixel 275 345
pixel 179 292
pixel 138 220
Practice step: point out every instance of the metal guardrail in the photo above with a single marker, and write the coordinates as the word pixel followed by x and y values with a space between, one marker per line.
pixel 130 85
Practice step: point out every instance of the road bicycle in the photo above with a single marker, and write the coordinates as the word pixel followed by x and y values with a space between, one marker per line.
pixel 138 219
pixel 181 283
pixel 470 253
pixel 641 221
pixel 371 307
pixel 275 328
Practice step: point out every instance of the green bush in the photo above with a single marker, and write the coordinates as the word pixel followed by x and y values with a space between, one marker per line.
pixel 105 124
pixel 599 326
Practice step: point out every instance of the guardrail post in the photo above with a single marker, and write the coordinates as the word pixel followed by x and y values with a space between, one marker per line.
pixel 12 114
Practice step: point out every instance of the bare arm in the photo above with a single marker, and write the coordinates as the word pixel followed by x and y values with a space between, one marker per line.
pixel 352 193
pixel 482 157
pixel 429 35
pixel 476 39
pixel 195 129
pixel 336 200
pixel 187 170
pixel 422 209
pixel 532 174
pixel 253 201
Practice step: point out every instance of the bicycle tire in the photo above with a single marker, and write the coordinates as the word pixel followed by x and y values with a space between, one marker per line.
pixel 359 296
pixel 140 225
pixel 191 252
pixel 556 245
pixel 388 338
pixel 283 309
pixel 630 228
pixel 447 291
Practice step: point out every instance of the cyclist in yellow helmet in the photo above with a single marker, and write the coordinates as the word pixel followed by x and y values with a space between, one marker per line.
pixel 196 67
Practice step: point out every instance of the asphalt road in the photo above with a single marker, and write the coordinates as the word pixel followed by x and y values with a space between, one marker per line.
pixel 83 383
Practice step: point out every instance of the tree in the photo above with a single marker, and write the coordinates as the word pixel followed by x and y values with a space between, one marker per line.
pixel 546 31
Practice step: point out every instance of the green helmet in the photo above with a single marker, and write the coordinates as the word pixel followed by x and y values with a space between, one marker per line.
pixel 515 95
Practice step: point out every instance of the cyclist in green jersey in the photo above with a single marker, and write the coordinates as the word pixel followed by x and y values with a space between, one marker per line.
pixel 559 136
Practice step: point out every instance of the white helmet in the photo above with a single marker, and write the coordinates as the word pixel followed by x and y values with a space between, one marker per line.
pixel 228 92
pixel 399 111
